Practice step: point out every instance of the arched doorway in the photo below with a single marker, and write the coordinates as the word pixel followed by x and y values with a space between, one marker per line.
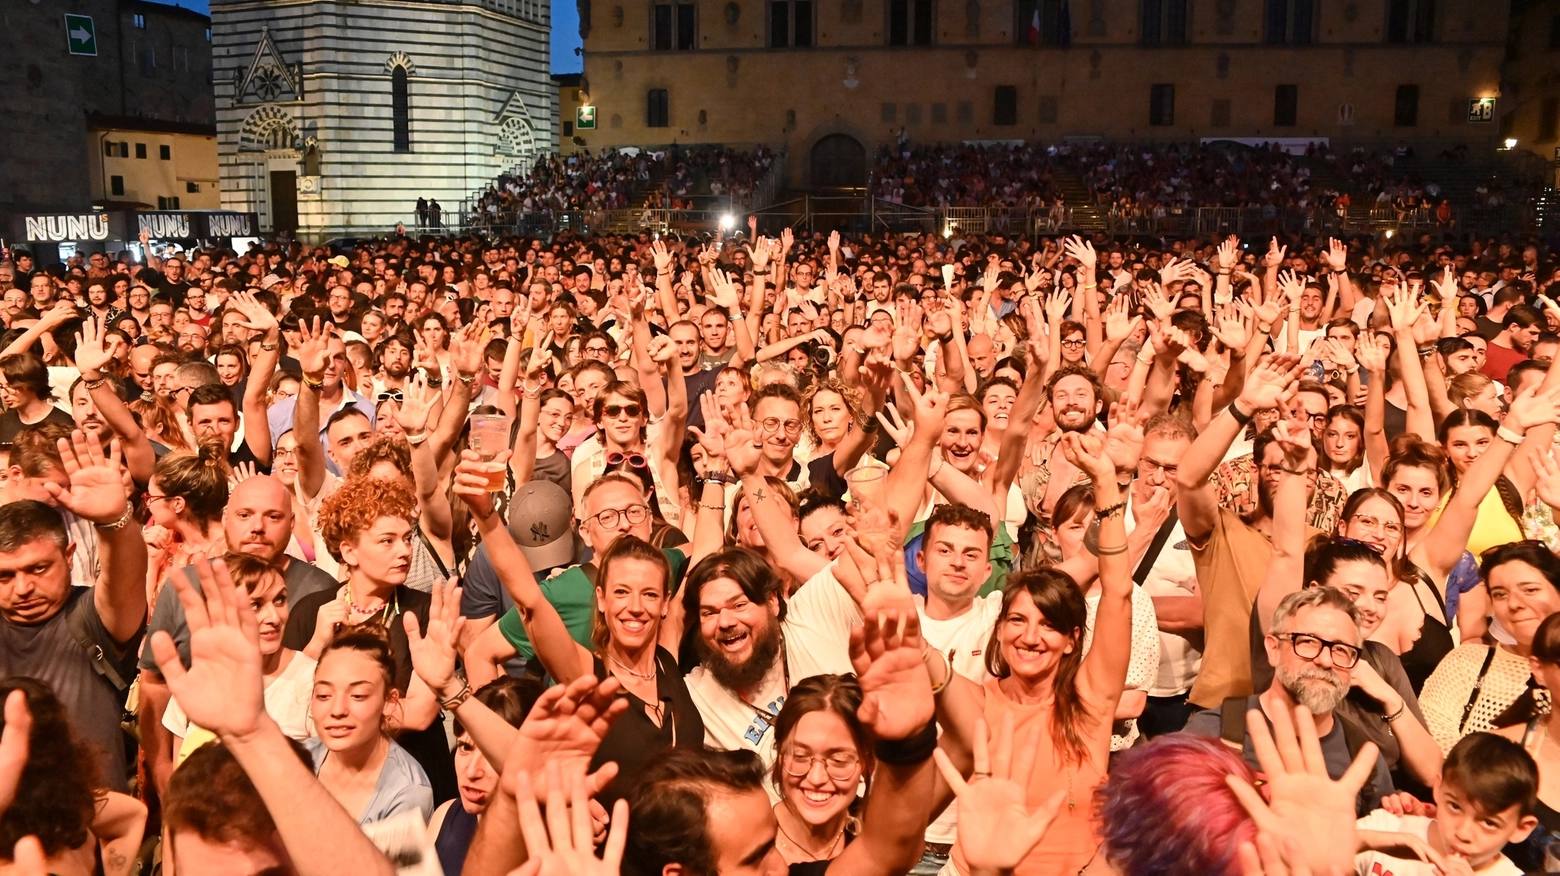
pixel 839 161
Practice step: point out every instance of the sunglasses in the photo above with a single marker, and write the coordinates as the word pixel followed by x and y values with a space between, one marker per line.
pixel 632 410
pixel 389 395
pixel 634 460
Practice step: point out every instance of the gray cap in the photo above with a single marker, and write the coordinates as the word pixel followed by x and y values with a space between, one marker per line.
pixel 541 515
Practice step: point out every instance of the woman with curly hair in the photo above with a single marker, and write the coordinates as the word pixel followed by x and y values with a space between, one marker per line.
pixel 368 527
pixel 185 498
pixel 58 799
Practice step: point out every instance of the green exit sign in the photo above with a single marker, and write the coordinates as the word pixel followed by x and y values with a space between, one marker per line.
pixel 585 118
pixel 80 35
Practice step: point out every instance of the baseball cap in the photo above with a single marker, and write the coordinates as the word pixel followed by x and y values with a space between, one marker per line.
pixel 540 514
pixel 340 261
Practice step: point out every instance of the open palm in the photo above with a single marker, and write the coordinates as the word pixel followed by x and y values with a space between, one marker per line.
pixel 222 690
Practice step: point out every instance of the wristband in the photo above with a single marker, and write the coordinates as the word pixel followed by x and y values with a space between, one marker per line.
pixel 1508 434
pixel 269 348
pixel 1240 416
pixel 720 477
pixel 313 383
pixel 1111 510
pixel 417 439
pixel 1396 715
pixel 465 379
pixel 459 698
pixel 915 749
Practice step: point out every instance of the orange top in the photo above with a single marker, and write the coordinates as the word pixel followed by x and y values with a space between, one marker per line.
pixel 1072 839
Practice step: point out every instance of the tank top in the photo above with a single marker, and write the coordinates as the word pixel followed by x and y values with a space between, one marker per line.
pixel 1435 637
pixel 1073 838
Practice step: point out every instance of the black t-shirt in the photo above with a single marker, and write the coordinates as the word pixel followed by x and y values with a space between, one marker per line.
pixel 244 454
pixel 635 742
pixel 429 747
pixel 698 383
pixel 11 422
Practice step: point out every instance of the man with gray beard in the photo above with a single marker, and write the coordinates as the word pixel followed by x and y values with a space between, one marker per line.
pixel 1314 645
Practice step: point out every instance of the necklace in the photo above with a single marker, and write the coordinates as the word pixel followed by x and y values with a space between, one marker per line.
pixel 828 850
pixel 386 611
pixel 644 676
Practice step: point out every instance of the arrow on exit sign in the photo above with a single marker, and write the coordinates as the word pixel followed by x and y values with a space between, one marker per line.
pixel 80 35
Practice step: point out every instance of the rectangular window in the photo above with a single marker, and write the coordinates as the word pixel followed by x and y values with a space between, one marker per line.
pixel 1286 105
pixel 672 27
pixel 1290 21
pixel 1040 23
pixel 790 23
pixel 910 22
pixel 657 109
pixel 116 185
pixel 165 152
pixel 1405 108
pixel 109 148
pixel 1161 105
pixel 140 150
pixel 139 20
pixel 208 34
pixel 1549 120
pixel 1004 109
pixel 192 188
pixel 1164 22
pixel 400 111
pixel 1410 21
pixel 124 149
pixel 568 129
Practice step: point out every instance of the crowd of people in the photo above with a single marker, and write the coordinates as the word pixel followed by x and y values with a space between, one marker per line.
pixel 864 555
pixel 961 175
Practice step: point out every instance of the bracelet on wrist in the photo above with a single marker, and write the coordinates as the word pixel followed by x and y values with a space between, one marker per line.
pixel 1240 416
pixel 416 439
pixel 1402 707
pixel 120 523
pixel 1111 510
pixel 458 699
pixel 1300 472
pixel 314 382
pixel 1508 434
pixel 915 749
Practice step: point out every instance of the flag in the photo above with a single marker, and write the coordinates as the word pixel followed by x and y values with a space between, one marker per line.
pixel 1034 28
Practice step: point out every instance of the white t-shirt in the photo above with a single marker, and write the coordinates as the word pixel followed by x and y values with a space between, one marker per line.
pixel 963 641
pixel 1145 654
pixel 1379 864
pixel 1307 338
pixel 1172 574
pixel 818 619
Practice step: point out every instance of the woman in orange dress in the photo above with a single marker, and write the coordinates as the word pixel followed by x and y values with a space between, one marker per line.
pixel 1062 700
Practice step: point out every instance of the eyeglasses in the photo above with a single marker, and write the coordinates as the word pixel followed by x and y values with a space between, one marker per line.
pixel 149 498
pixel 634 460
pixel 390 394
pixel 1073 344
pixel 632 410
pixel 771 425
pixel 840 766
pixel 1272 471
pixel 594 348
pixel 1148 466
pixel 1309 647
pixel 635 514
pixel 284 451
pixel 1386 527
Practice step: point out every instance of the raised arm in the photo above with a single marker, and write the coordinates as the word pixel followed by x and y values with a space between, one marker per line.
pixel 62 312
pixel 1286 570
pixel 1103 674
pixel 97 494
pixel 1196 498
pixel 1027 403
pixel 1404 311
pixel 907 479
pixel 1088 289
pixel 313 349
pixel 523 460
pixel 1372 353
pixel 564 659
pixel 92 356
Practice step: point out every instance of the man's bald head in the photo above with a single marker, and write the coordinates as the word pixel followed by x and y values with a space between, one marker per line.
pixel 258 519
pixel 983 355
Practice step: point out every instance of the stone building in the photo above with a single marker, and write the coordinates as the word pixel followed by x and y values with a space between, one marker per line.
pixel 77 72
pixel 1530 88
pixel 333 117
pixel 832 80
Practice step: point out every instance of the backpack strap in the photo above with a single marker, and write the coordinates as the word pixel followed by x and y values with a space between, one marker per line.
pixel 1146 564
pixel 1232 723
pixel 111 669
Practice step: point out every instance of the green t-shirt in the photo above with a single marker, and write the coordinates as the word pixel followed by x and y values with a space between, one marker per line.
pixel 572 593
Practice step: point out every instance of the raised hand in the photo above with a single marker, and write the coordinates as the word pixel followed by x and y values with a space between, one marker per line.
pixel 92 353
pixel 1228 256
pixel 467 346
pixel 1294 438
pixel 15 745
pixel 928 408
pixel 256 316
pixel 565 728
pixel 471 479
pixel 563 843
pixel 895 425
pixel 243 471
pixel 744 446
pixel 1086 451
pixel 1232 328
pixel 1124 435
pixel 97 488
pixel 713 436
pixel 433 652
pixel 1275 254
pixel 417 399
pixel 222 690
pixel 1547 481
pixel 1291 287
pixel 1056 305
pixel 885 651
pixel 1273 377
pixel 1531 409
pixel 1304 805
pixel 540 354
pixel 1077 248
pixel 661 349
pixel 1371 352
pixel 1403 309
pixel 999 829
pixel 313 351
pixel 1174 269
pixel 1156 302
pixel 662 256
pixel 1336 255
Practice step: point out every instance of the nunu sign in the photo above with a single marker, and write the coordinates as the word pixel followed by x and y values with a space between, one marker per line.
pixel 164 226
pixel 229 225
pixel 58 229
